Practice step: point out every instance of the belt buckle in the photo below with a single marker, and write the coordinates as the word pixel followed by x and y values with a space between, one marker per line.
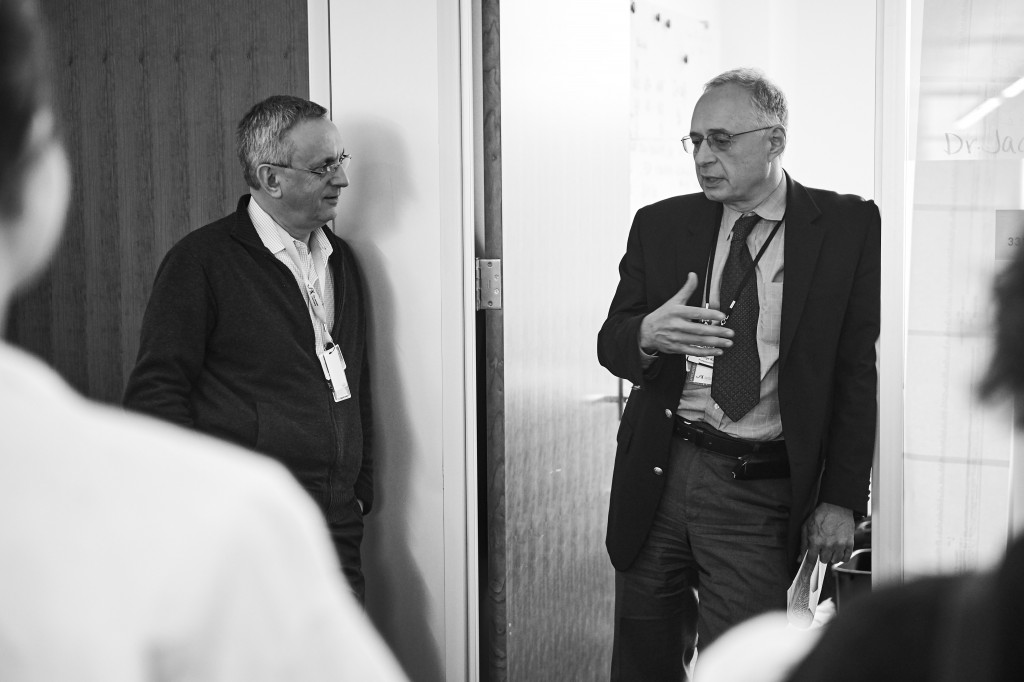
pixel 693 434
pixel 749 469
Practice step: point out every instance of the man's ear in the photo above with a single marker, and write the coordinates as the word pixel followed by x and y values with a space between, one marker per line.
pixel 777 142
pixel 269 180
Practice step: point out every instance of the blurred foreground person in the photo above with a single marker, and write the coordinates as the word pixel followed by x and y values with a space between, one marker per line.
pixel 131 549
pixel 966 628
pixel 943 628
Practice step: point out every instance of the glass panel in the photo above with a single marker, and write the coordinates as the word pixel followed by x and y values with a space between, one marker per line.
pixel 967 201
pixel 565 184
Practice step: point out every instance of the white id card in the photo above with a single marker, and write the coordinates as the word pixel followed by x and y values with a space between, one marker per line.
pixel 702 375
pixel 333 364
pixel 706 360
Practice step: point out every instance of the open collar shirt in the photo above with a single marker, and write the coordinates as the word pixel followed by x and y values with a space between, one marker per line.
pixel 763 422
pixel 294 254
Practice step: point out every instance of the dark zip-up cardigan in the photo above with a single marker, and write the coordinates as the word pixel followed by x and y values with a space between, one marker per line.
pixel 227 348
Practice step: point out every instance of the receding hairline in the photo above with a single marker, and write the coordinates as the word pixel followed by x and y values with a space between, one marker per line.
pixel 767 99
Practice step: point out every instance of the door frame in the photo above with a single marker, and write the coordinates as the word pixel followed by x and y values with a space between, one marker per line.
pixel 459 642
pixel 896 62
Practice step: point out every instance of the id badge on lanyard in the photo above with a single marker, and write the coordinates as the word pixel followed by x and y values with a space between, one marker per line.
pixel 333 364
pixel 331 360
pixel 699 369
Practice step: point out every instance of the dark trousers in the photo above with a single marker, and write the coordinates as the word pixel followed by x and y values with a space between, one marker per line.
pixel 716 542
pixel 346 526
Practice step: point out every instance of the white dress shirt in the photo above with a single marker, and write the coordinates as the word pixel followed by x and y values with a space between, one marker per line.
pixel 296 256
pixel 763 421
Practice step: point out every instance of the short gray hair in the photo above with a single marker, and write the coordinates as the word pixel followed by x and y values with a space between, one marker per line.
pixel 769 102
pixel 261 132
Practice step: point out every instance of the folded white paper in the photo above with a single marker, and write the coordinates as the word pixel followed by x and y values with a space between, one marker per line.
pixel 802 596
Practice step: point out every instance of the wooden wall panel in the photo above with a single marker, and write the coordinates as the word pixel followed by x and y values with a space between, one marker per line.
pixel 493 606
pixel 149 95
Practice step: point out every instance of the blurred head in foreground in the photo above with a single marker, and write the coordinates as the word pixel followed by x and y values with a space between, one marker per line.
pixel 34 176
pixel 1005 376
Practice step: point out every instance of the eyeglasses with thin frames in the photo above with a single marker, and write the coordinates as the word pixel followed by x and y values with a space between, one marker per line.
pixel 325 171
pixel 719 142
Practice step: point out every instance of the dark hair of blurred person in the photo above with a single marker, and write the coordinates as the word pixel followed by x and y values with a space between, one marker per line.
pixel 1005 376
pixel 34 179
pixel 24 82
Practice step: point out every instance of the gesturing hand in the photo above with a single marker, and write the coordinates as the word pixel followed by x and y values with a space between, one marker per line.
pixel 678 328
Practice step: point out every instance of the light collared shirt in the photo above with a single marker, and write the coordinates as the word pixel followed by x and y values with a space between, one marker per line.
pixel 763 422
pixel 294 254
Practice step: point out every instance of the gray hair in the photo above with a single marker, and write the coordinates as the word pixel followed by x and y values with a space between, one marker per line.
pixel 769 102
pixel 261 132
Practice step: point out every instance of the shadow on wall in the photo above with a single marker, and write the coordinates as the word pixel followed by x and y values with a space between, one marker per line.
pixel 396 597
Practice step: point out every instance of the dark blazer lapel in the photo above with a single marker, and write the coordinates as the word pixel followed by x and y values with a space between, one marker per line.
pixel 803 242
pixel 698 230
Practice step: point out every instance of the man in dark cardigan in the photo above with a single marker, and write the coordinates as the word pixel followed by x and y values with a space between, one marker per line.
pixel 256 332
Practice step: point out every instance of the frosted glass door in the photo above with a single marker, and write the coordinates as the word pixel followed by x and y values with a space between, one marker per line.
pixel 966 213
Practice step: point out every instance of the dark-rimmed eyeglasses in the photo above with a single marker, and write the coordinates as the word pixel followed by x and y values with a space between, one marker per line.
pixel 720 142
pixel 325 171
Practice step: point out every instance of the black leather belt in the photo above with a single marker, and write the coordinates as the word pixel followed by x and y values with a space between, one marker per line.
pixel 727 445
pixel 755 460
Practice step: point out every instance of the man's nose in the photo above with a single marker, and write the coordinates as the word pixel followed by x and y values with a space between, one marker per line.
pixel 703 155
pixel 340 178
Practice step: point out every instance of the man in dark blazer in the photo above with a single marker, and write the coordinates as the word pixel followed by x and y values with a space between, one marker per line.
pixel 256 332
pixel 727 469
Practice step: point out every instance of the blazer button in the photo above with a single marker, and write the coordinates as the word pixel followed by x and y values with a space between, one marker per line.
pixel 668 413
pixel 658 471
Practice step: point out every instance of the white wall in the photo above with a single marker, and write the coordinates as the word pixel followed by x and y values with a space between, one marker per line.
pixel 822 54
pixel 395 88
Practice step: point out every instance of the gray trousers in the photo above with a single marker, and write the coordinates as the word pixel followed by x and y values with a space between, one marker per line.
pixel 714 557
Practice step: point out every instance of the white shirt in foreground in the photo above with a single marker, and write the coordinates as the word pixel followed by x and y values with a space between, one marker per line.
pixel 134 550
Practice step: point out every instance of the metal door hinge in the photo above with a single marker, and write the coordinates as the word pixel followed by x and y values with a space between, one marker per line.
pixel 488 284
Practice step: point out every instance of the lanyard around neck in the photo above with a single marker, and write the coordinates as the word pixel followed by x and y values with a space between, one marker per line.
pixel 746 275
pixel 317 305
pixel 314 300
